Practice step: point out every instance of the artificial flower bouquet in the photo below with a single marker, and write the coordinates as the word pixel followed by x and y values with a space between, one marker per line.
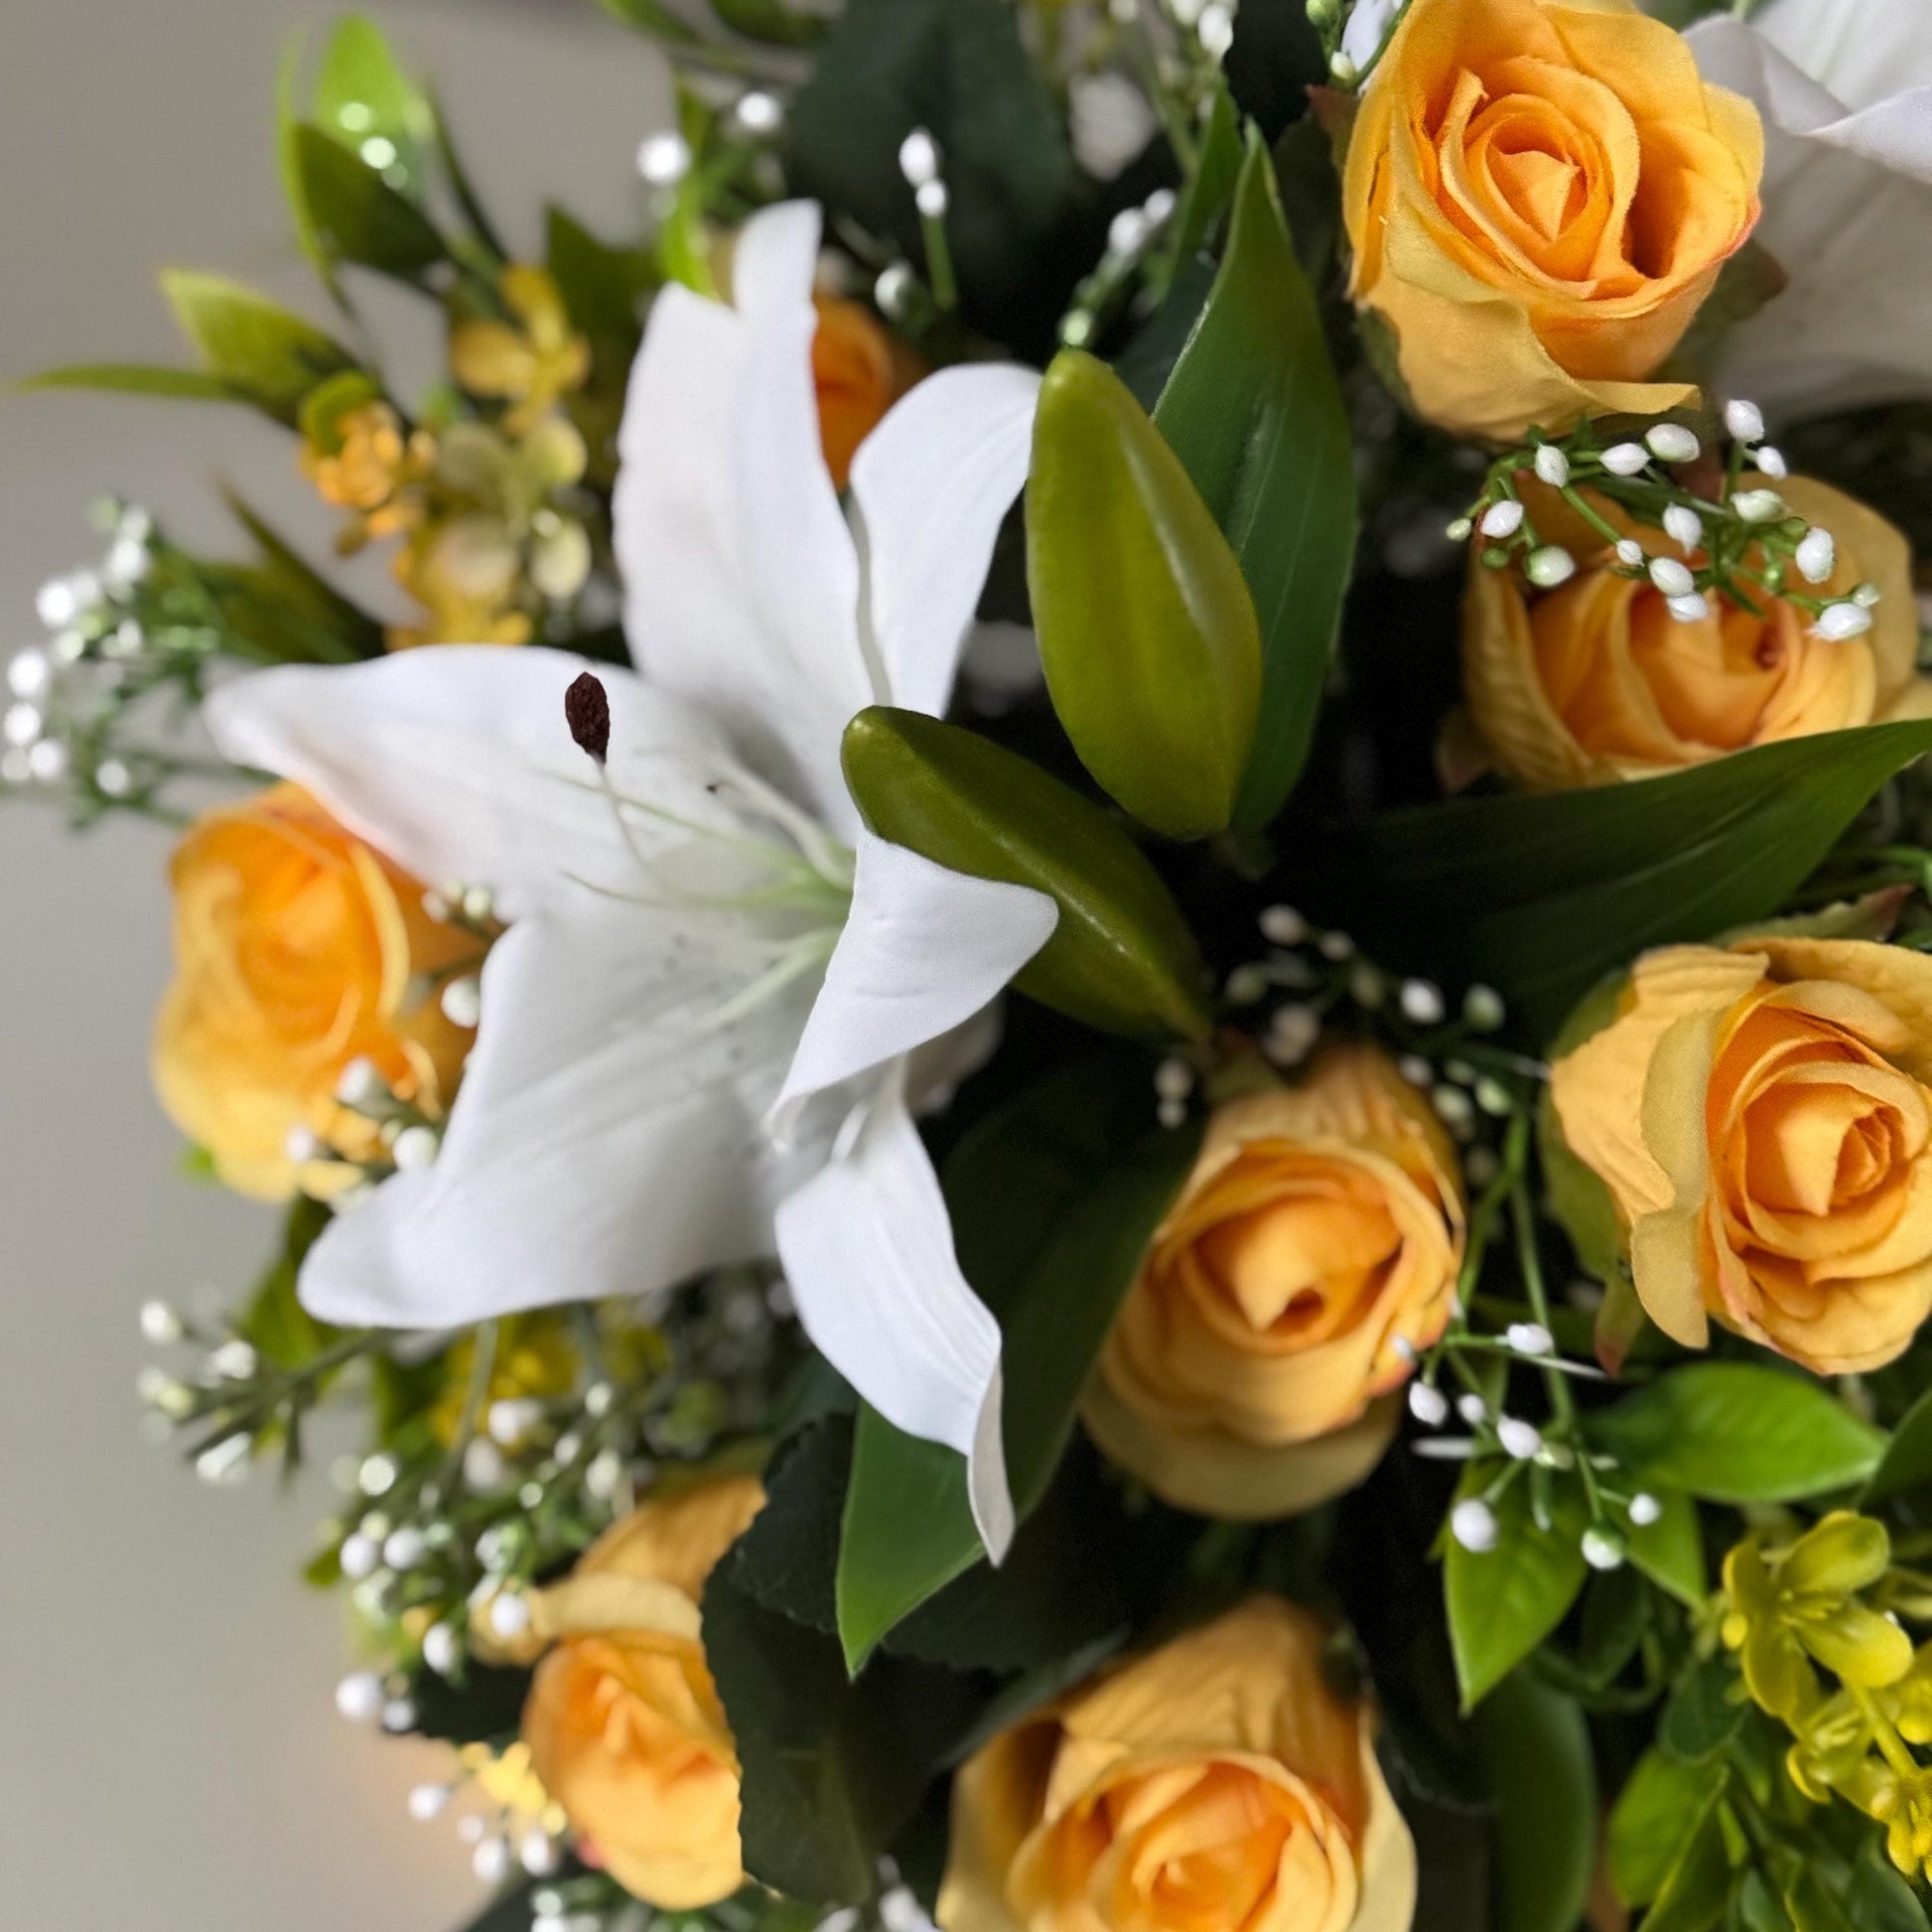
pixel 1097 1024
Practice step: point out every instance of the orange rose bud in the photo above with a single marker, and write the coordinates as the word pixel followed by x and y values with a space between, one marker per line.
pixel 860 370
pixel 1599 680
pixel 1219 1782
pixel 1539 197
pixel 297 951
pixel 1761 1115
pixel 1313 1250
pixel 623 1723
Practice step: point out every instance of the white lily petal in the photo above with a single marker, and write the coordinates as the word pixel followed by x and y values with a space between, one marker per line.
pixel 923 950
pixel 868 1249
pixel 742 579
pixel 608 1137
pixel 932 485
pixel 457 764
pixel 1848 200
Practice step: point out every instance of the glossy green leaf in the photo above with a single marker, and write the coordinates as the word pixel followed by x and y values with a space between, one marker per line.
pixel 255 344
pixel 1536 1749
pixel 1670 1551
pixel 1122 957
pixel 1541 896
pixel 1211 186
pixel 1146 629
pixel 1504 1601
pixel 1256 415
pixel 355 216
pixel 1076 1215
pixel 138 380
pixel 1660 1810
pixel 1907 1464
pixel 1738 1433
pixel 364 100
pixel 1574 1194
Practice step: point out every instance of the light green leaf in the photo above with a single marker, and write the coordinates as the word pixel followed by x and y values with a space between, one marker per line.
pixel 1122 957
pixel 1738 1433
pixel 1534 1746
pixel 1146 629
pixel 1656 1816
pixel 1670 1551
pixel 1504 1601
pixel 772 21
pixel 1542 896
pixel 1055 1279
pixel 1693 1895
pixel 256 345
pixel 137 379
pixel 1256 415
pixel 651 17
pixel 363 96
pixel 355 216
pixel 1578 1200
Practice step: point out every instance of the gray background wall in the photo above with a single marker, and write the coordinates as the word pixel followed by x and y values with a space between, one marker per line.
pixel 170 1759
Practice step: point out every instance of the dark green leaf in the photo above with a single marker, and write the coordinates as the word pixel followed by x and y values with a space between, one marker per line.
pixel 1255 413
pixel 1122 957
pixel 355 216
pixel 651 17
pixel 1693 1897
pixel 272 356
pixel 1660 1810
pixel 1504 1603
pixel 787 1560
pixel 1541 896
pixel 1879 1900
pixel 907 1530
pixel 832 1770
pixel 485 1708
pixel 602 287
pixel 1578 1200
pixel 134 380
pixel 1704 1713
pixel 1146 629
pixel 1815 1905
pixel 1738 1433
pixel 1535 1748
pixel 1210 189
pixel 770 21
pixel 1670 1551
pixel 1273 62
pixel 1907 1464
pixel 1021 225
pixel 305 587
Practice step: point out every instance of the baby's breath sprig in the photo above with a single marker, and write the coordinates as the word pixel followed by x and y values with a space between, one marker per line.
pixel 1735 544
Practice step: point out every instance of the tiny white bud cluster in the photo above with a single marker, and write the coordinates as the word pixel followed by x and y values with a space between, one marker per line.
pixel 1473 1525
pixel 1685 525
pixel 1551 465
pixel 1626 458
pixel 1550 566
pixel 1672 443
pixel 1816 555
pixel 1502 519
pixel 1837 622
pixel 1744 421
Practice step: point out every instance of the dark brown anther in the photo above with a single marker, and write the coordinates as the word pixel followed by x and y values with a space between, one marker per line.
pixel 587 711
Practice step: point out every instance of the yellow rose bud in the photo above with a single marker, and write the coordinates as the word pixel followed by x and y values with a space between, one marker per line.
pixel 1540 196
pixel 859 369
pixel 296 949
pixel 1760 1114
pixel 1599 680
pixel 1220 1781
pixel 624 1726
pixel 1315 1248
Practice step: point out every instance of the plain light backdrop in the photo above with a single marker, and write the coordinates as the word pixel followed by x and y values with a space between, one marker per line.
pixel 170 1757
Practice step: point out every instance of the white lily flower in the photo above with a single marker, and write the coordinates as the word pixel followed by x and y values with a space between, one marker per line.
pixel 1845 87
pixel 703 927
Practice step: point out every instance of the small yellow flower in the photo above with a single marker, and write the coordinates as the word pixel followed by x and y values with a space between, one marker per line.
pixel 531 362
pixel 534 1357
pixel 371 465
pixel 1786 1610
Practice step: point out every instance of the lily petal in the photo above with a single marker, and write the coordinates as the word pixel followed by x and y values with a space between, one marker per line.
pixel 455 763
pixel 924 948
pixel 932 485
pixel 742 579
pixel 868 1249
pixel 608 1137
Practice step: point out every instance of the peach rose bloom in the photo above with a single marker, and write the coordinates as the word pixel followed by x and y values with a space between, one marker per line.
pixel 860 369
pixel 297 950
pixel 1539 197
pixel 623 1723
pixel 1317 1243
pixel 1761 1117
pixel 1597 682
pixel 1219 1784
